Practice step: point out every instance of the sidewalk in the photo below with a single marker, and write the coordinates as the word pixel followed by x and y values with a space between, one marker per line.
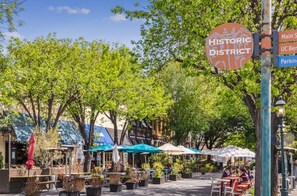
pixel 198 185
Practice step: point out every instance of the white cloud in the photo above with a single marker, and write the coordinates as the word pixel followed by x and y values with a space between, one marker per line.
pixel 118 18
pixel 14 34
pixel 69 10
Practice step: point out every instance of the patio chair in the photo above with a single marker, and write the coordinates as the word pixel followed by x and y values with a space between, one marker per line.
pixel 232 190
pixel 215 188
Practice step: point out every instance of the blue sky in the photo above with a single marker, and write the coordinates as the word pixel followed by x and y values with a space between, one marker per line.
pixel 91 19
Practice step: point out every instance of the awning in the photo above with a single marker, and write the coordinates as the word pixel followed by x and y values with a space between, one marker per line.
pixel 104 137
pixel 22 126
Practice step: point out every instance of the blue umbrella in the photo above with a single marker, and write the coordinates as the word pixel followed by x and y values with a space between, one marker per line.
pixel 104 147
pixel 195 150
pixel 140 148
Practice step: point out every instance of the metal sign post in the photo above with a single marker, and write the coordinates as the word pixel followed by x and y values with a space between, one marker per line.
pixel 265 123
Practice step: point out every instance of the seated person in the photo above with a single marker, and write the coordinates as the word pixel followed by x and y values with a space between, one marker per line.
pixel 244 176
pixel 237 170
pixel 226 172
pixel 248 170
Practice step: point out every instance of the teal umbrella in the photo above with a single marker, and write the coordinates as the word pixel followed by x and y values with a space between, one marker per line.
pixel 195 150
pixel 104 147
pixel 140 148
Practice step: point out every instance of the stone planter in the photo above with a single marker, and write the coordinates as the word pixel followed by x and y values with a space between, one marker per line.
pixel 131 185
pixel 143 183
pixel 184 175
pixel 66 193
pixel 158 180
pixel 115 187
pixel 93 191
pixel 173 177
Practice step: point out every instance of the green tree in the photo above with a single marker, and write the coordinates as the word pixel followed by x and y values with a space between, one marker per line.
pixel 39 77
pixel 8 10
pixel 203 108
pixel 176 30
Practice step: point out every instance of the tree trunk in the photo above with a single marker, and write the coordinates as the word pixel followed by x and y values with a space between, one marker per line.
pixel 87 164
pixel 274 156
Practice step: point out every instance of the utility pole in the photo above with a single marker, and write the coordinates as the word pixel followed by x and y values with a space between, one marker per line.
pixel 265 123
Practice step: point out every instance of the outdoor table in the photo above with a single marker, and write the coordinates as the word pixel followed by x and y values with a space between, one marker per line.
pixel 232 179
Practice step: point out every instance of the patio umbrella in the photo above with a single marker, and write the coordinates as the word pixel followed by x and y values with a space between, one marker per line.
pixel 140 148
pixel 30 156
pixel 169 148
pixel 115 154
pixel 104 147
pixel 195 150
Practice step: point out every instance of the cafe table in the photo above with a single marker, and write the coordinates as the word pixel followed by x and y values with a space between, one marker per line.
pixel 232 179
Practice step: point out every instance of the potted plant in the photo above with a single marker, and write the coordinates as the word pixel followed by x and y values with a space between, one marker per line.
pixel 202 170
pixel 209 167
pixel 115 184
pixel 131 179
pixel 187 169
pixel 144 175
pixel 95 183
pixel 69 187
pixel 32 188
pixel 158 173
pixel 176 169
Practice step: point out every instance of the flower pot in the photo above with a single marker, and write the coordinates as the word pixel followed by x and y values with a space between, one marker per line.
pixel 184 175
pixel 115 187
pixel 66 193
pixel 93 191
pixel 143 183
pixel 173 177
pixel 158 180
pixel 130 185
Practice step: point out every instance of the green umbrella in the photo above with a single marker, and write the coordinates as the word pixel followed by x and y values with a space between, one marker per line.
pixel 140 148
pixel 104 147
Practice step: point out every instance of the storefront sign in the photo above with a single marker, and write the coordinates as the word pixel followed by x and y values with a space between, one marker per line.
pixel 229 46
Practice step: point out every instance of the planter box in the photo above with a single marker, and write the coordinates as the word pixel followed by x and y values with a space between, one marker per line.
pixel 186 175
pixel 65 193
pixel 173 177
pixel 143 183
pixel 131 185
pixel 93 191
pixel 158 180
pixel 115 187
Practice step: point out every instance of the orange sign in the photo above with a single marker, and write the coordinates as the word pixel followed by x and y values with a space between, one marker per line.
pixel 287 36
pixel 229 46
pixel 287 48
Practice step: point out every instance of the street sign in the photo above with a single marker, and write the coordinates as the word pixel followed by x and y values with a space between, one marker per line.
pixel 229 46
pixel 287 61
pixel 287 48
pixel 287 36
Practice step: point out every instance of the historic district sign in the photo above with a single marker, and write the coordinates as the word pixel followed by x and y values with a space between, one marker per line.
pixel 229 46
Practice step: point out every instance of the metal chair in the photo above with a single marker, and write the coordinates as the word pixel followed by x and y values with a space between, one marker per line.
pixel 231 190
pixel 215 188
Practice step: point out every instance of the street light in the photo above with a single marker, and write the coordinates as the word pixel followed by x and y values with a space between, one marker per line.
pixel 280 114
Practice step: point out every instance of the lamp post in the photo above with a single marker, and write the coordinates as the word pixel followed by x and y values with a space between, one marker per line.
pixel 280 114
